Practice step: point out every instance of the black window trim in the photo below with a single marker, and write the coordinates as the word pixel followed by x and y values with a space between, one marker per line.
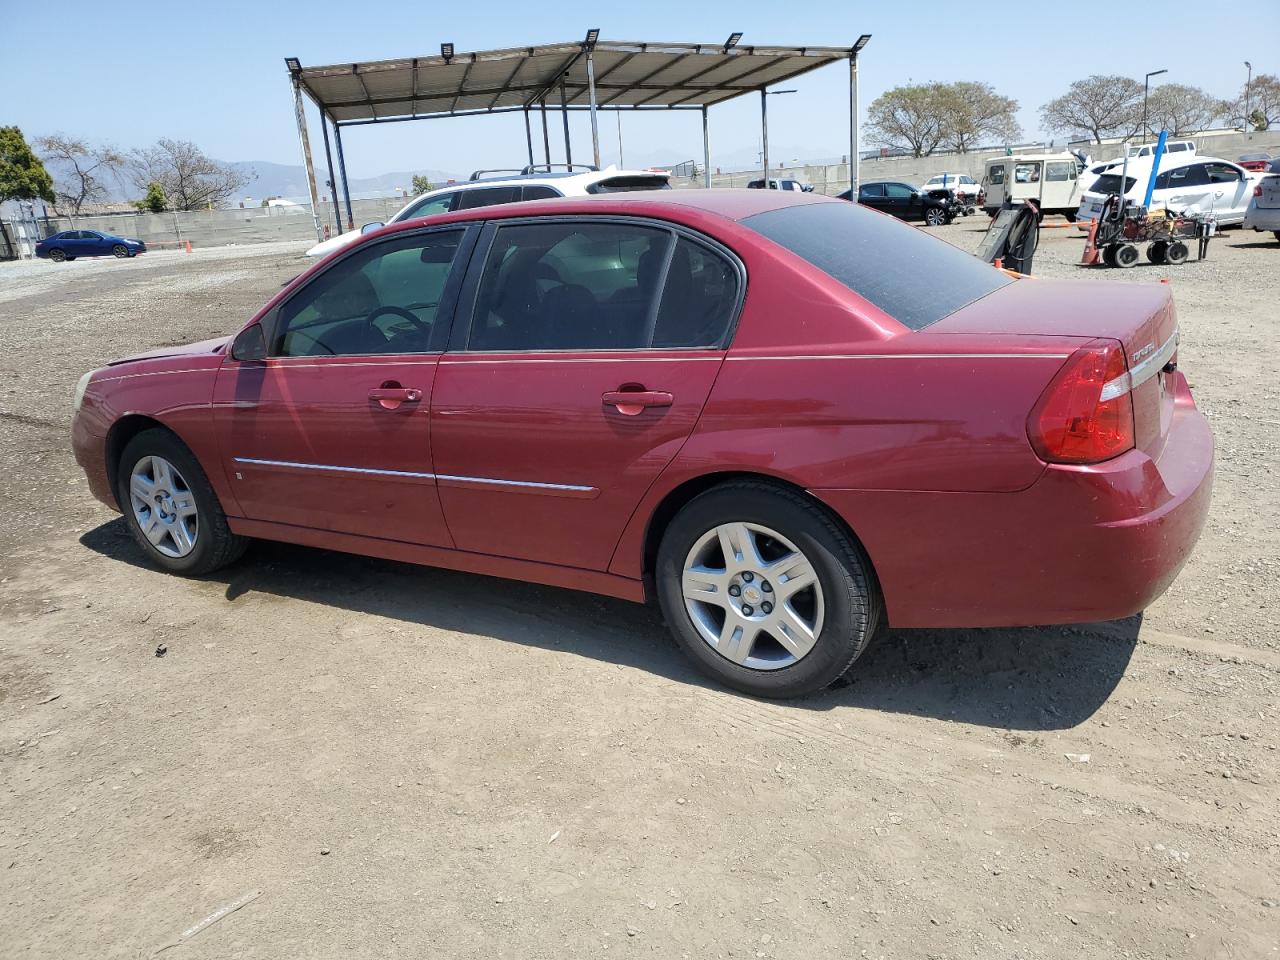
pixel 446 311
pixel 464 313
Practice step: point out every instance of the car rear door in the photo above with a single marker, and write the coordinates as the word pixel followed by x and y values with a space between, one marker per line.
pixel 588 349
pixel 872 195
pixel 1187 189
pixel 332 430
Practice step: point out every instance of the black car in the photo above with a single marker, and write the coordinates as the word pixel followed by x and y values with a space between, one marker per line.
pixel 907 202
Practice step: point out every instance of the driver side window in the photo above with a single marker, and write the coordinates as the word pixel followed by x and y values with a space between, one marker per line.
pixel 380 300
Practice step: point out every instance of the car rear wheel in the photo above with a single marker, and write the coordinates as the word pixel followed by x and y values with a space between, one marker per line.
pixel 170 507
pixel 57 256
pixel 935 217
pixel 120 250
pixel 764 592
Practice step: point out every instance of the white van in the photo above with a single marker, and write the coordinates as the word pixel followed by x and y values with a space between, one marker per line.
pixel 1170 146
pixel 1050 179
pixel 1187 183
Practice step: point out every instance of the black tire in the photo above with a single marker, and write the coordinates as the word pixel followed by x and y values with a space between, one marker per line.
pixel 1071 216
pixel 120 251
pixel 57 256
pixel 1157 251
pixel 1176 253
pixel 935 216
pixel 1109 254
pixel 1278 236
pixel 215 544
pixel 851 600
pixel 1127 255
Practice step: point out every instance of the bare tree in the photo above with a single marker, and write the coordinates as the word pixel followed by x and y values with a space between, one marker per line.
pixel 974 112
pixel 79 170
pixel 908 116
pixel 1100 106
pixel 1182 109
pixel 1261 103
pixel 189 179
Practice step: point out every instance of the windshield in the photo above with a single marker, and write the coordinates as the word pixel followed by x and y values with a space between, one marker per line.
pixel 881 259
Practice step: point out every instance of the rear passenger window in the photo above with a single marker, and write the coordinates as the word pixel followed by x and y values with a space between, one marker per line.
pixel 600 286
pixel 487 197
pixel 539 192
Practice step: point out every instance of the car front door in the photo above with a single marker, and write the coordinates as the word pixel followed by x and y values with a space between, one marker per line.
pixel 589 351
pixel 902 201
pixel 1230 190
pixel 332 430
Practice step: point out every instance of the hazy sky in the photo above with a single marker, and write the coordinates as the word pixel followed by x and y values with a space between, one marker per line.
pixel 129 73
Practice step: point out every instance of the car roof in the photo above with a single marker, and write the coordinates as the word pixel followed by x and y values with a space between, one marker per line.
pixel 554 176
pixel 675 205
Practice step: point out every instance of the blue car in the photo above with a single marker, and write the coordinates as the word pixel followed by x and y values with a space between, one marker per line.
pixel 87 243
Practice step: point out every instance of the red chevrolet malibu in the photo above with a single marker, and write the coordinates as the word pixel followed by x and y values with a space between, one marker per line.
pixel 789 419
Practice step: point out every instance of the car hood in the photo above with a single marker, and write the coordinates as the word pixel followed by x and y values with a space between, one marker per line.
pixel 327 247
pixel 200 349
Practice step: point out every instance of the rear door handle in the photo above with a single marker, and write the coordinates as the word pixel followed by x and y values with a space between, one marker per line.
pixel 390 398
pixel 633 402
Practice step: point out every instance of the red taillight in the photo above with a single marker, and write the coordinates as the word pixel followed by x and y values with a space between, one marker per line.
pixel 1073 422
pixel 1257 191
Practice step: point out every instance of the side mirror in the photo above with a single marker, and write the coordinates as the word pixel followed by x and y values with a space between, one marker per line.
pixel 250 344
pixel 370 227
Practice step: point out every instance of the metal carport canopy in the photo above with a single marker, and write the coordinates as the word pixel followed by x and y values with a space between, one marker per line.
pixel 581 75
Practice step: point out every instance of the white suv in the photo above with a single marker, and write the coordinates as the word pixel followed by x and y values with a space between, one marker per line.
pixel 961 184
pixel 537 182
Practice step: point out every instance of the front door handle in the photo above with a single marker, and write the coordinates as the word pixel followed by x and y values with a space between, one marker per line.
pixel 630 403
pixel 390 397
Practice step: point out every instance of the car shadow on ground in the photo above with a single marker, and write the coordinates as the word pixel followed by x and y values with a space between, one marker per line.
pixel 1255 245
pixel 1034 678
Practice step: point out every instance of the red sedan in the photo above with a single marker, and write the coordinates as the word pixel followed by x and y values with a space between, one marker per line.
pixel 789 419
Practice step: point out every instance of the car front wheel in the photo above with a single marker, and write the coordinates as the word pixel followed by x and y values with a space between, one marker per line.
pixel 170 507
pixel 935 217
pixel 120 251
pixel 764 591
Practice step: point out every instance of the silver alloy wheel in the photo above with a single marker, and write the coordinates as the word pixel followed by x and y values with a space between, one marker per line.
pixel 753 596
pixel 164 506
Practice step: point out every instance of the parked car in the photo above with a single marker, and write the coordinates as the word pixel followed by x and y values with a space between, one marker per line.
pixel 70 244
pixel 1050 180
pixel 1186 183
pixel 784 184
pixel 1263 212
pixel 1170 146
pixel 1255 162
pixel 961 184
pixel 906 202
pixel 580 393
pixel 539 182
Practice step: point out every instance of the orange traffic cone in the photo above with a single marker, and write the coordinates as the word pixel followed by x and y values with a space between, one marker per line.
pixel 188 243
pixel 1090 257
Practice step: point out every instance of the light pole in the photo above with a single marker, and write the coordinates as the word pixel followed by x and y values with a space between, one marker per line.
pixel 1248 84
pixel 854 159
pixel 1146 89
pixel 764 127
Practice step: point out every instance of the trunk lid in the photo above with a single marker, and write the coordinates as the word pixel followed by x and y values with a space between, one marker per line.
pixel 1140 316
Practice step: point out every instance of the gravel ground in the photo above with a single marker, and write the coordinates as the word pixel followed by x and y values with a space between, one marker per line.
pixel 407 762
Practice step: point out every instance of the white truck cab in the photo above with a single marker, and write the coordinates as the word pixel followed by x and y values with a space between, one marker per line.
pixel 1051 180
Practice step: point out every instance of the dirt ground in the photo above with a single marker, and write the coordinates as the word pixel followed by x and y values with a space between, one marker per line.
pixel 408 762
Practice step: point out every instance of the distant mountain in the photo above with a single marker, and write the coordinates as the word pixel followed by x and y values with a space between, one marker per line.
pixel 290 180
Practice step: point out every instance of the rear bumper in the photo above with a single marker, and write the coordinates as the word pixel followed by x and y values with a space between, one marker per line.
pixel 1081 544
pixel 1262 218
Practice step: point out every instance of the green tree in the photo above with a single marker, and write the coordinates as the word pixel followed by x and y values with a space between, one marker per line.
pixel 421 184
pixel 155 201
pixel 22 175
pixel 973 112
pixel 1100 106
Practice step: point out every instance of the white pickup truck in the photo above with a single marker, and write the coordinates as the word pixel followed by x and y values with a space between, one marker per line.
pixel 1264 208
pixel 961 184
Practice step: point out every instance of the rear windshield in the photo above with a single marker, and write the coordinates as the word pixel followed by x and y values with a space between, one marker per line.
pixel 915 278
pixel 627 184
pixel 1110 183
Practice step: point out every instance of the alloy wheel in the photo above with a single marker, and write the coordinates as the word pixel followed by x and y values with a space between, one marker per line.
pixel 753 596
pixel 164 506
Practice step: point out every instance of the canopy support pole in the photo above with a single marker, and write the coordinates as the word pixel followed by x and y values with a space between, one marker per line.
pixel 301 115
pixel 854 159
pixel 546 136
pixel 706 151
pixel 342 172
pixel 764 133
pixel 333 184
pixel 528 135
pixel 564 115
pixel 591 92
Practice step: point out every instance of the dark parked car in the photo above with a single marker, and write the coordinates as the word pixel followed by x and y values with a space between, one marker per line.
pixel 907 202
pixel 88 243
